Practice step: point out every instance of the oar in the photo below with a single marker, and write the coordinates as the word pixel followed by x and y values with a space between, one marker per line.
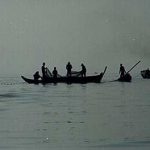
pixel 102 73
pixel 104 70
pixel 133 66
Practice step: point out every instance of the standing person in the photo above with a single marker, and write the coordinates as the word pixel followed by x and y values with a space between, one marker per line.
pixel 43 70
pixel 83 71
pixel 122 71
pixel 55 73
pixel 68 67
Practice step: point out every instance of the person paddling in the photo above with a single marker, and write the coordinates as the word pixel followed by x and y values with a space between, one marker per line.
pixel 122 71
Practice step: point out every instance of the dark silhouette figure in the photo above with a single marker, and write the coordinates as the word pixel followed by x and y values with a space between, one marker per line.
pixel 83 71
pixel 122 71
pixel 43 71
pixel 68 67
pixel 147 72
pixel 55 73
pixel 36 76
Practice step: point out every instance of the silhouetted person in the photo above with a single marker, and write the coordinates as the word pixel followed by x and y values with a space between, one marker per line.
pixel 122 71
pixel 43 71
pixel 147 71
pixel 55 73
pixel 68 67
pixel 83 71
pixel 36 76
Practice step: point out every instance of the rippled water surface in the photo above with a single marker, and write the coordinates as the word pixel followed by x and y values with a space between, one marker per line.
pixel 109 116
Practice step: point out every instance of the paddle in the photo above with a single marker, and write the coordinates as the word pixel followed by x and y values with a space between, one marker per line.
pixel 133 67
pixel 104 70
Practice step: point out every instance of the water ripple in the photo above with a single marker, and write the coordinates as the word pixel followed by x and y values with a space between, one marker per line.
pixel 8 95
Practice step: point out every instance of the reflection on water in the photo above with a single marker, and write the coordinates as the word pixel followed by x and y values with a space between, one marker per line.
pixel 90 116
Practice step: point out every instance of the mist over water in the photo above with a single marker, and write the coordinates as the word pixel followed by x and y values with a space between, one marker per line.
pixel 97 33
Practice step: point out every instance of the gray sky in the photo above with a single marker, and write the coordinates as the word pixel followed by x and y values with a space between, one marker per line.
pixel 96 32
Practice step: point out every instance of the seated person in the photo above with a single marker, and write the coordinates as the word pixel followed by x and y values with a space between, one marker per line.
pixel 36 76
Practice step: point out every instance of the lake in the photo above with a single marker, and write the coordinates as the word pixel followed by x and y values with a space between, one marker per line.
pixel 107 116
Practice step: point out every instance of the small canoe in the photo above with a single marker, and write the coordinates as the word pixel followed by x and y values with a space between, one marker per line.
pixel 145 74
pixel 126 78
pixel 73 79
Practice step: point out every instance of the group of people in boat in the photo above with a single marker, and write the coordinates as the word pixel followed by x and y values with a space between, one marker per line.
pixel 47 74
pixel 81 73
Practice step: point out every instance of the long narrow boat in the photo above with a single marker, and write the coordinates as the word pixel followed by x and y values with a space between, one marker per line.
pixel 69 80
pixel 126 78
pixel 88 79
pixel 145 74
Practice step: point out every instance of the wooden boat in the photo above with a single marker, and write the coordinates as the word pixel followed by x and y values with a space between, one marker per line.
pixel 145 74
pixel 69 80
pixel 88 79
pixel 126 78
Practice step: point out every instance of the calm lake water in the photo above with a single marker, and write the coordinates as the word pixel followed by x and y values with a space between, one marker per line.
pixel 107 116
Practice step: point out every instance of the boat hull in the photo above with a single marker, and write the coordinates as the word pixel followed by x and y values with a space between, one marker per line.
pixel 145 74
pixel 125 78
pixel 69 80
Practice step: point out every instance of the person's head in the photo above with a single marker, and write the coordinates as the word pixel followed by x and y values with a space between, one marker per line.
pixel 120 64
pixel 54 68
pixel 82 64
pixel 37 72
pixel 43 63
